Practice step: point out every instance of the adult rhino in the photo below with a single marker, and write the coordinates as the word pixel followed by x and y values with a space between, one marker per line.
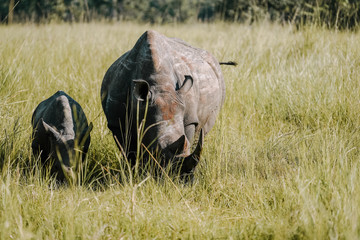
pixel 60 129
pixel 181 87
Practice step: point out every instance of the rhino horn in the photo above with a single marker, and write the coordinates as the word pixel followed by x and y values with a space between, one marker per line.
pixel 192 160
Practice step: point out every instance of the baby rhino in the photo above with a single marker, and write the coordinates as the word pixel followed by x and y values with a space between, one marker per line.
pixel 60 132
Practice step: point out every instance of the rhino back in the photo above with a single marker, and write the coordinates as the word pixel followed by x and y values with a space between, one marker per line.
pixel 62 112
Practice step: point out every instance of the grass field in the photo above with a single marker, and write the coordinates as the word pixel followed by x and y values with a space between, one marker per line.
pixel 282 162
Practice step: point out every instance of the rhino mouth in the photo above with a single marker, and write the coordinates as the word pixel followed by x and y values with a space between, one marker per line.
pixel 185 163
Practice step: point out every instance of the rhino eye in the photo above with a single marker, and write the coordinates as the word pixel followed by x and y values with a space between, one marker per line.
pixel 141 90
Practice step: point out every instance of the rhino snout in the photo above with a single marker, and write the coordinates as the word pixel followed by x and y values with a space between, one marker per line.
pixel 180 146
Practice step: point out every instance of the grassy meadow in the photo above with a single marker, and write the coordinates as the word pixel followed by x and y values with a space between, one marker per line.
pixel 282 161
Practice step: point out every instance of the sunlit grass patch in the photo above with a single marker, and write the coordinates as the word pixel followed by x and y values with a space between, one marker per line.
pixel 281 162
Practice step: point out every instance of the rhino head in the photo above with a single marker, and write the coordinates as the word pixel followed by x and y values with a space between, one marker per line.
pixel 65 149
pixel 164 111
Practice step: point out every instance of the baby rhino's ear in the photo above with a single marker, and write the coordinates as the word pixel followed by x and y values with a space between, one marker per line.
pixel 50 130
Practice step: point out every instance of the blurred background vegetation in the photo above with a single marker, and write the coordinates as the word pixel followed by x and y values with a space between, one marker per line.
pixel 339 14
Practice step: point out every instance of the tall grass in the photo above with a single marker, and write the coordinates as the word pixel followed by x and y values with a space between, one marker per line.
pixel 281 162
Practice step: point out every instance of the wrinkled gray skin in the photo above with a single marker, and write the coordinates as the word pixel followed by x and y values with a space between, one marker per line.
pixel 185 90
pixel 58 124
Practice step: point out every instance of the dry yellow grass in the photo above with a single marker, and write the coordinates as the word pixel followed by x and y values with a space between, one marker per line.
pixel 281 162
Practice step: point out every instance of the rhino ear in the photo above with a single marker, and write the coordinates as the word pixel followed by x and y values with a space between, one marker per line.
pixel 188 82
pixel 141 90
pixel 50 130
